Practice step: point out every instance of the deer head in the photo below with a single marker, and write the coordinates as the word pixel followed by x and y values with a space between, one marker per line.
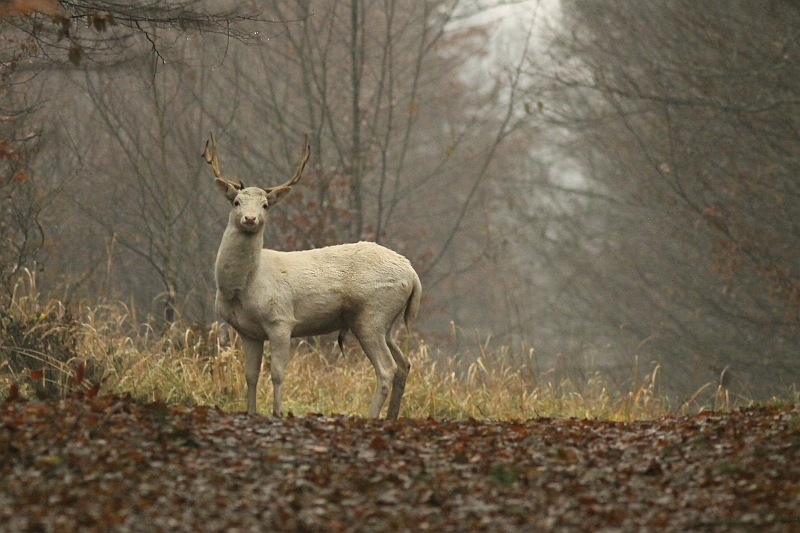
pixel 250 204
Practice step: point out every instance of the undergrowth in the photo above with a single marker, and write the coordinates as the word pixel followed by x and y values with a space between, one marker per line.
pixel 50 352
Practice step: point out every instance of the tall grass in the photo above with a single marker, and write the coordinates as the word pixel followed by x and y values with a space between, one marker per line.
pixel 45 351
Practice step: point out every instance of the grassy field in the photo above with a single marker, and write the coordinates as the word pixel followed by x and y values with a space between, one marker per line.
pixel 486 439
pixel 51 351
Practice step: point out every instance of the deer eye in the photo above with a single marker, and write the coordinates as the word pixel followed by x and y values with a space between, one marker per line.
pixel 236 203
pixel 266 205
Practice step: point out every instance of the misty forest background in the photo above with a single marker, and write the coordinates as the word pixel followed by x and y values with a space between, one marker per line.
pixel 613 183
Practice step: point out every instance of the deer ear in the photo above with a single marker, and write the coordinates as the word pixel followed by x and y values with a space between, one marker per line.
pixel 226 189
pixel 275 194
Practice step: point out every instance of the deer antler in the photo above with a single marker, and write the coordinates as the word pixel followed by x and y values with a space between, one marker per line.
pixel 211 159
pixel 300 166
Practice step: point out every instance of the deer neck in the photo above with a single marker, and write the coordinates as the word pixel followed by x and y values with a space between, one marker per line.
pixel 238 260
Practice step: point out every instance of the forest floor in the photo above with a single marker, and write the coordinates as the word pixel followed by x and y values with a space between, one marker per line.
pixel 114 464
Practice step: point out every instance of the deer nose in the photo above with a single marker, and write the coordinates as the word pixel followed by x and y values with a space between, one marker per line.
pixel 249 220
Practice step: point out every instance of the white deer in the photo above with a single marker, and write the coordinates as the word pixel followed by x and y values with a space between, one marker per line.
pixel 269 295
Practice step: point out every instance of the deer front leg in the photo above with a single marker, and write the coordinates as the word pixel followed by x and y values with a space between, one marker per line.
pixel 253 352
pixel 279 348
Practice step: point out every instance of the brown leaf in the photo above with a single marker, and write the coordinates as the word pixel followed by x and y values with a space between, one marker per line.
pixel 75 54
pixel 92 392
pixel 80 373
pixel 13 393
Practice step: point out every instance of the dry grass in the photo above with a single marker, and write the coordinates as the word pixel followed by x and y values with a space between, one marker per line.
pixel 200 365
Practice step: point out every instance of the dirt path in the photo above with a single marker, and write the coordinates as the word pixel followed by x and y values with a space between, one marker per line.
pixel 111 464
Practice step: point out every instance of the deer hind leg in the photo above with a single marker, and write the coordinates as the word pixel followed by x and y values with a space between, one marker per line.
pixel 374 345
pixel 253 353
pixel 399 381
pixel 279 350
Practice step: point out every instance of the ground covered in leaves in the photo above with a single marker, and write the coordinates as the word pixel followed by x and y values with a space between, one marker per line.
pixel 113 464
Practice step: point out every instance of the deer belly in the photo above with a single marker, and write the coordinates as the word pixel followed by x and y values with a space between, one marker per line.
pixel 318 320
pixel 318 328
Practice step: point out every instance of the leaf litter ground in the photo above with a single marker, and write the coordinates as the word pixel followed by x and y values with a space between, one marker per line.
pixel 114 464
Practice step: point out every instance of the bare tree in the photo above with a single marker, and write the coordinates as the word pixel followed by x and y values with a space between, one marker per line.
pixel 412 133
pixel 104 33
pixel 680 117
pixel 42 37
pixel 401 111
pixel 21 203
pixel 146 173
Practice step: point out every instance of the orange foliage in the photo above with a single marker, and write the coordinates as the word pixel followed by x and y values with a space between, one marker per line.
pixel 10 8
